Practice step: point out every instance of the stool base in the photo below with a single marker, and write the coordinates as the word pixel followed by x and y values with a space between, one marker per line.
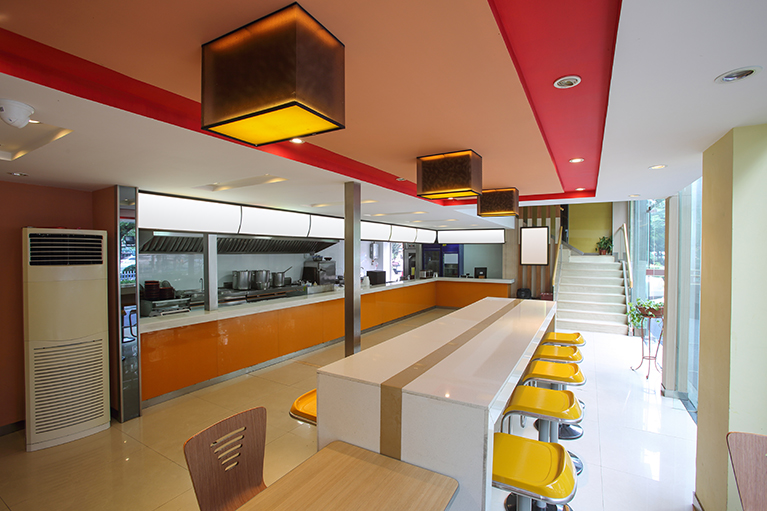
pixel 566 431
pixel 577 463
pixel 511 505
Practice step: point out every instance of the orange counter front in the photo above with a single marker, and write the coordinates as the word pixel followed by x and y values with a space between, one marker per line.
pixel 177 357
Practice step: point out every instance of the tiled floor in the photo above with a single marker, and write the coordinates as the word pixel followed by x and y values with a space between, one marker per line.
pixel 639 448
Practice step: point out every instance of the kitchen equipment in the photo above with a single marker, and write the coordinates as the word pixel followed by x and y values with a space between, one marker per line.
pixel 259 279
pixel 288 281
pixel 152 289
pixel 278 278
pixel 319 272
pixel 377 277
pixel 150 308
pixel 365 282
pixel 241 279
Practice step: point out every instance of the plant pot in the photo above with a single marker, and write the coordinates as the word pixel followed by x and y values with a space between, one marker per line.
pixel 651 313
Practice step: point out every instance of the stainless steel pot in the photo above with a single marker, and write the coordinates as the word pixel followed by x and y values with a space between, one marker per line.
pixel 241 279
pixel 278 279
pixel 259 279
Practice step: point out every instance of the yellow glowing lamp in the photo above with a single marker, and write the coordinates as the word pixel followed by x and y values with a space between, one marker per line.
pixel 277 78
pixel 449 175
pixel 498 202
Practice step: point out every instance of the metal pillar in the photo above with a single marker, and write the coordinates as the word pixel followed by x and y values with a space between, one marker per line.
pixel 352 308
pixel 210 271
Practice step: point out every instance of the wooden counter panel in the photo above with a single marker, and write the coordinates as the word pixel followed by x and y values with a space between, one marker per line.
pixel 299 328
pixel 461 294
pixel 332 320
pixel 247 341
pixel 174 359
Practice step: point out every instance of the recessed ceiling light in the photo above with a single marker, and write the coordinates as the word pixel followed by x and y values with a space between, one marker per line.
pixel 634 195
pixel 417 221
pixel 451 220
pixel 400 179
pixel 32 121
pixel 737 74
pixel 419 212
pixel 296 140
pixel 579 189
pixel 567 82
pixel 441 226
pixel 577 160
pixel 379 214
pixel 18 174
pixel 368 201
pixel 657 167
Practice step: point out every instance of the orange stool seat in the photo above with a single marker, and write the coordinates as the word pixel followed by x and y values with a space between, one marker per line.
pixel 563 339
pixel 305 407
pixel 555 353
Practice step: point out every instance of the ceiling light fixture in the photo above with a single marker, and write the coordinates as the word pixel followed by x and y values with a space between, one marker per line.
pixel 449 175
pixel 18 174
pixel 400 179
pixel 277 78
pixel 634 195
pixel 657 167
pixel 296 140
pixel 737 75
pixel 577 160
pixel 498 202
pixel 567 82
pixel 579 189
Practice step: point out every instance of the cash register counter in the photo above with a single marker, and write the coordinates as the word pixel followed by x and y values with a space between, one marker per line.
pixel 432 397
pixel 183 350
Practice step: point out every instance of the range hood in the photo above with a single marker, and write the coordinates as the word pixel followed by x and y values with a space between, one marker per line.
pixel 178 243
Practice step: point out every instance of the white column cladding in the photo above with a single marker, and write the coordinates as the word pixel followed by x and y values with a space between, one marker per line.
pixel 210 270
pixel 352 300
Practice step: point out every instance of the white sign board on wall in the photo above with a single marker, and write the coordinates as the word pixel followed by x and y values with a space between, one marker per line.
pixel 534 246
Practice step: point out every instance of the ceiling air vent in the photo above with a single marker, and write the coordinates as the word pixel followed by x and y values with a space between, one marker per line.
pixel 46 249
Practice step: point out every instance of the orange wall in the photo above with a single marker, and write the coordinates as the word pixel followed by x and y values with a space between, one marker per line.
pixel 26 206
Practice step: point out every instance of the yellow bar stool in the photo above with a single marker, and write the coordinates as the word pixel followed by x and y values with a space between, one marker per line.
pixel 532 470
pixel 554 353
pixel 305 407
pixel 552 408
pixel 563 339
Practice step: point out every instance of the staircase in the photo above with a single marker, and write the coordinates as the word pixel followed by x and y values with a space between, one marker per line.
pixel 591 295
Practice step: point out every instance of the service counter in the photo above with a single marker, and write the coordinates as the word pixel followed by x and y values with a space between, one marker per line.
pixel 182 350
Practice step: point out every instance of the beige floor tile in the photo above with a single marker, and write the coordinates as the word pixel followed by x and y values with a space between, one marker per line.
pixel 187 501
pixel 108 470
pixel 324 356
pixel 284 454
pixel 305 385
pixel 3 507
pixel 12 443
pixel 288 373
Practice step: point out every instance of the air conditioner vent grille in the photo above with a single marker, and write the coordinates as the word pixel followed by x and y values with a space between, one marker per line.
pixel 62 249
pixel 69 388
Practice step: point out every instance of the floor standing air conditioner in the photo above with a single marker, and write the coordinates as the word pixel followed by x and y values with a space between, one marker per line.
pixel 65 335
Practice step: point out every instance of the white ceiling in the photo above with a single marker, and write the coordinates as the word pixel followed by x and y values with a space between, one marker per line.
pixel 664 108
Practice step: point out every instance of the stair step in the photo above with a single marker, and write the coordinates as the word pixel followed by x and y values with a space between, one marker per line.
pixel 592 273
pixel 592 326
pixel 593 288
pixel 592 265
pixel 591 297
pixel 602 281
pixel 615 308
pixel 609 317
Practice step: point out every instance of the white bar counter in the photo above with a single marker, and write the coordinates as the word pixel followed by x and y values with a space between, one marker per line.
pixel 448 381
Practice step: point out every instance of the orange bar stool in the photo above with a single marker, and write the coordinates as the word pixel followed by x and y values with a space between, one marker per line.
pixel 552 408
pixel 554 353
pixel 563 339
pixel 532 470
pixel 305 407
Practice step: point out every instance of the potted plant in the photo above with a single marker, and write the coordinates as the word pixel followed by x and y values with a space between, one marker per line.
pixel 605 245
pixel 643 309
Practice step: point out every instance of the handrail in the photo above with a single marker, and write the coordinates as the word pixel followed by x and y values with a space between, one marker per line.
pixel 628 253
pixel 556 259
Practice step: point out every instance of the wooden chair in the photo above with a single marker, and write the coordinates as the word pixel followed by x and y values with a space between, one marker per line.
pixel 226 461
pixel 748 453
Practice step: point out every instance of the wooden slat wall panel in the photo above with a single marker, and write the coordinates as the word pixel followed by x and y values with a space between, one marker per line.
pixel 538 278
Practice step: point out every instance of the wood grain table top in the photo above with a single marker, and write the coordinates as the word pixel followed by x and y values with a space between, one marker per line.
pixel 345 477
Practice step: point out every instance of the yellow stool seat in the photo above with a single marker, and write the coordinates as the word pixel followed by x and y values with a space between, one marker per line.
pixel 558 405
pixel 554 353
pixel 539 470
pixel 553 372
pixel 563 339
pixel 305 407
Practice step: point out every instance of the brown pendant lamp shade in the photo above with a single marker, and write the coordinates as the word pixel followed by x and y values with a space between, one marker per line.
pixel 277 78
pixel 442 176
pixel 498 202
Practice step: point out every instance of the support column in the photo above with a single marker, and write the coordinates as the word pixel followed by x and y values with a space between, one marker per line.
pixel 733 382
pixel 352 302
pixel 210 271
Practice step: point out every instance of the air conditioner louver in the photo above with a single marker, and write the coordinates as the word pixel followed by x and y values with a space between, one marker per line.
pixel 59 249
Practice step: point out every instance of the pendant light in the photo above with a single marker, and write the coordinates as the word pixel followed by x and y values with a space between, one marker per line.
pixel 277 78
pixel 449 175
pixel 498 202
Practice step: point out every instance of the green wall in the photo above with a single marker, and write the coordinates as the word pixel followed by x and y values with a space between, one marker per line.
pixel 588 223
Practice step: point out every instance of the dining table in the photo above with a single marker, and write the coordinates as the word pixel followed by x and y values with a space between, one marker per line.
pixel 344 477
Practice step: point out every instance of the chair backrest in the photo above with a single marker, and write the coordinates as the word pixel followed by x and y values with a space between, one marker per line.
pixel 226 460
pixel 748 452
